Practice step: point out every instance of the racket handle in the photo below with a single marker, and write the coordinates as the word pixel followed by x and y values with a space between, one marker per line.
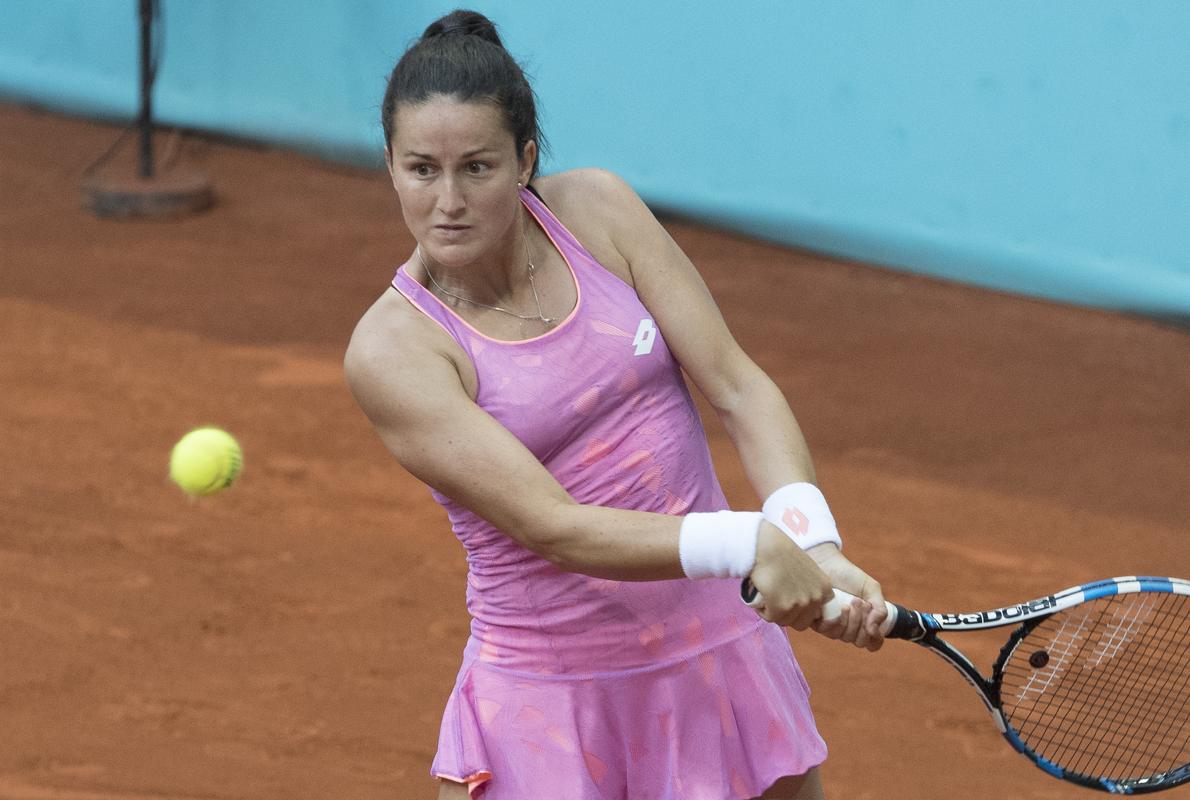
pixel 831 609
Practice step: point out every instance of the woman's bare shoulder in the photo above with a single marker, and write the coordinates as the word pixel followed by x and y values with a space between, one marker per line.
pixel 392 337
pixel 596 206
pixel 388 320
pixel 584 191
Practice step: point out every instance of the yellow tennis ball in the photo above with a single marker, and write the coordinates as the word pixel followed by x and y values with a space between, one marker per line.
pixel 205 461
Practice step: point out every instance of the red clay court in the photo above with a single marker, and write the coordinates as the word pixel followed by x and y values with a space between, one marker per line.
pixel 297 636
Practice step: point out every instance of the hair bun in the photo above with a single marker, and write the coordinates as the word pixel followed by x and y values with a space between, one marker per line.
pixel 463 23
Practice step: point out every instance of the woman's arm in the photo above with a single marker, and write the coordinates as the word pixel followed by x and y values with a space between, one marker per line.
pixel 400 371
pixel 754 411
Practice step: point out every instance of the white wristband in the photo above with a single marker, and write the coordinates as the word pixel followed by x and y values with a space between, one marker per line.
pixel 800 511
pixel 719 544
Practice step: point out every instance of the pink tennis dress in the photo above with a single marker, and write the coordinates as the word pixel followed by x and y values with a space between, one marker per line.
pixel 579 688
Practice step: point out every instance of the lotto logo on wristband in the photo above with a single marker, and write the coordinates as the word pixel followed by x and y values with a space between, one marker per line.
pixel 795 522
pixel 799 510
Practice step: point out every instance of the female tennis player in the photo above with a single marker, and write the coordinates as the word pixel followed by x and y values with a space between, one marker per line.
pixel 527 365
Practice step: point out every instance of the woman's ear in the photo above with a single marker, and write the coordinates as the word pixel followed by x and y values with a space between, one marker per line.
pixel 528 158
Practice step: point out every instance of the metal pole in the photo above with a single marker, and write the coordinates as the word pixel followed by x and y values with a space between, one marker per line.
pixel 146 89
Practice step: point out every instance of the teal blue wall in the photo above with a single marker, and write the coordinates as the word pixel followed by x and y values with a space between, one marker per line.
pixel 1041 148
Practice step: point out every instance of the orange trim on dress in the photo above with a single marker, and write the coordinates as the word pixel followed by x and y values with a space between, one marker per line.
pixel 472 783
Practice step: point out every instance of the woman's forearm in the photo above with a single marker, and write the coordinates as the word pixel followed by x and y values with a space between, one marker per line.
pixel 609 542
pixel 767 436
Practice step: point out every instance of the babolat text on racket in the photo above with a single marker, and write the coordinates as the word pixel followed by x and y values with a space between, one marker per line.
pixel 1093 685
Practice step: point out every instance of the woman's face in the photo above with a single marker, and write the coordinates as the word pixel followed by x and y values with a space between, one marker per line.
pixel 455 168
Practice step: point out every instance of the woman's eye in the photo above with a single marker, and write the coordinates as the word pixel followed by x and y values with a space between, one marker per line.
pixel 422 170
pixel 477 167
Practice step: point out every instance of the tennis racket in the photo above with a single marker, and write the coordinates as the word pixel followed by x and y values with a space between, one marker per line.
pixel 1093 685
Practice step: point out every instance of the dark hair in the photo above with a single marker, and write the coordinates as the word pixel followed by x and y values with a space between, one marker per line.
pixel 461 55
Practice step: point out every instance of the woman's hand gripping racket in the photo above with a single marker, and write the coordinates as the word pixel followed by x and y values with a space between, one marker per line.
pixel 1093 685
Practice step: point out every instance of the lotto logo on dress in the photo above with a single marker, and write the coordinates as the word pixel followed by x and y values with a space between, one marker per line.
pixel 645 334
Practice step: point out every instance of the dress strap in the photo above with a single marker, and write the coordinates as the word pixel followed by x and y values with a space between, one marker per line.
pixel 431 306
pixel 563 239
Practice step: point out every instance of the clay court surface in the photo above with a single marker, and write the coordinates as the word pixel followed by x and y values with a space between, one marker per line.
pixel 296 637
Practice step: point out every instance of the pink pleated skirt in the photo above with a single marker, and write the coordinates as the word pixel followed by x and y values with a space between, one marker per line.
pixel 721 724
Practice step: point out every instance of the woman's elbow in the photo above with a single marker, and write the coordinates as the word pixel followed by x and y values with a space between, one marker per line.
pixel 554 535
pixel 739 395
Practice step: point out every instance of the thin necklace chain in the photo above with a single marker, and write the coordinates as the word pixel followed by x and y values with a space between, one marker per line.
pixel 541 317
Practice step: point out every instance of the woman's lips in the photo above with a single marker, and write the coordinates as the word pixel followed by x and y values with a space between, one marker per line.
pixel 452 231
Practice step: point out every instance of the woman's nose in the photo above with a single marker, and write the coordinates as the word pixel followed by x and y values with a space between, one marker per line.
pixel 451 200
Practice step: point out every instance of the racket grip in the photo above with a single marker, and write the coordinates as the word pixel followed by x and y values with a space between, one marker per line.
pixel 831 609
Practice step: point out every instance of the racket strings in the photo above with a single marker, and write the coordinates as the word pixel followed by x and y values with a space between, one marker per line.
pixel 1111 696
pixel 1079 725
pixel 1137 687
pixel 1162 679
pixel 1098 743
pixel 1135 715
